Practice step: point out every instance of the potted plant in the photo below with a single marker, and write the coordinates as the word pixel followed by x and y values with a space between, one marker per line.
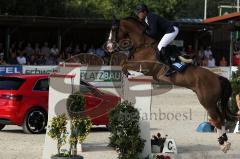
pixel 79 127
pixel 157 143
pixel 125 131
pixel 58 131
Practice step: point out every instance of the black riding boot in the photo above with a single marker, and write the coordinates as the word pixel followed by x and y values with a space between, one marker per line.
pixel 169 63
pixel 163 57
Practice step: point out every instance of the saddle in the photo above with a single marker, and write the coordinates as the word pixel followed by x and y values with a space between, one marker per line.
pixel 172 57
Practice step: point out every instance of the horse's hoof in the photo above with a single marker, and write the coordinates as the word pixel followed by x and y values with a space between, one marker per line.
pixel 225 147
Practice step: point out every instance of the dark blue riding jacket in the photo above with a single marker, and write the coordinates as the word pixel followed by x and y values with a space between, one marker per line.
pixel 157 26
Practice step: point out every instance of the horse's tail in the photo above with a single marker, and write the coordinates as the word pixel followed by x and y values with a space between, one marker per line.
pixel 226 92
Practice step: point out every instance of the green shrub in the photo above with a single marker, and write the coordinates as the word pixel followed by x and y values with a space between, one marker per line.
pixel 75 104
pixel 58 131
pixel 125 131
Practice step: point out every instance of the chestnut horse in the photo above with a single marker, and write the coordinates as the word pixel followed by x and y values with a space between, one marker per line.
pixel 213 91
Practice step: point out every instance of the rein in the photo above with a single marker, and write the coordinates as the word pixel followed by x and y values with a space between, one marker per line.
pixel 143 46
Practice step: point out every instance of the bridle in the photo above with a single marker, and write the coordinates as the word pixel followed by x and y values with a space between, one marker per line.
pixel 126 44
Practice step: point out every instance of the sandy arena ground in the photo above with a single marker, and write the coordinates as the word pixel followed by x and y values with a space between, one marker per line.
pixel 191 144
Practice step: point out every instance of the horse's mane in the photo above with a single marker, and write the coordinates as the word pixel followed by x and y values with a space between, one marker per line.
pixel 134 20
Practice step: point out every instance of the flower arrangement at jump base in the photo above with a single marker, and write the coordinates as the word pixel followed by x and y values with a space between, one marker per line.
pixel 157 143
pixel 79 128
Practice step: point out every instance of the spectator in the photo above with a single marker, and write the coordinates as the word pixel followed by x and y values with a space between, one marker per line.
pixel 21 59
pixel 45 50
pixel 84 48
pixel 20 47
pixel 69 49
pixel 29 50
pixel 41 60
pixel 76 50
pixel 13 47
pixel 92 49
pixel 237 44
pixel 2 61
pixel 54 50
pixel 236 50
pixel 51 60
pixel 238 103
pixel 37 49
pixel 100 52
pixel 236 59
pixel 211 61
pixel 204 62
pixel 223 61
pixel 60 58
pixel 189 50
pixel 208 52
pixel 1 51
pixel 13 58
pixel 201 53
pixel 32 60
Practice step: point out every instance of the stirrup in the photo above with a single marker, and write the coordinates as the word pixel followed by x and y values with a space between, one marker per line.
pixel 185 60
pixel 169 72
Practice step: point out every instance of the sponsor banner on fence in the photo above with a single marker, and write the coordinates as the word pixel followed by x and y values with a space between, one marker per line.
pixel 39 69
pixel 10 69
pixel 104 76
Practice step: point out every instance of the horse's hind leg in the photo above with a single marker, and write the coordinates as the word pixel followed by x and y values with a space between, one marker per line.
pixel 218 121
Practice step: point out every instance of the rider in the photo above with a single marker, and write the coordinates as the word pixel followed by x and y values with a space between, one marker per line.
pixel 156 26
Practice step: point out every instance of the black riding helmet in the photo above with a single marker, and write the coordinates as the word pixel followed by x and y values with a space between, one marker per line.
pixel 141 8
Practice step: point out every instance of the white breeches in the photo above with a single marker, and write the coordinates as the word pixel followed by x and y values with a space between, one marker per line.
pixel 168 38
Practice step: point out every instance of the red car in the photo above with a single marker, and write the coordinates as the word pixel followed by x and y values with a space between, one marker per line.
pixel 24 102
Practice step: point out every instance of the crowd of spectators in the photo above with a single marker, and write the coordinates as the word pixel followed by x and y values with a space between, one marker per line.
pixel 22 53
pixel 205 56
pixel 26 53
pixel 236 53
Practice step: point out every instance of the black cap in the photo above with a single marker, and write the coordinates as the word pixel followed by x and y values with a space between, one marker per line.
pixel 141 8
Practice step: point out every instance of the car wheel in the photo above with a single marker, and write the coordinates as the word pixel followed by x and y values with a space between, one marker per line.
pixel 35 121
pixel 2 126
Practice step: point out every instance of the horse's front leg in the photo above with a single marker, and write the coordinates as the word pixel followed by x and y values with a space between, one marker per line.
pixel 125 69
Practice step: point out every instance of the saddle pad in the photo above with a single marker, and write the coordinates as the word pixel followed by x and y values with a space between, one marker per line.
pixel 179 66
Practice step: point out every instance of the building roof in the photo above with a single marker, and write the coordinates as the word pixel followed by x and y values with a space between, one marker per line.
pixel 226 17
pixel 189 21
pixel 41 21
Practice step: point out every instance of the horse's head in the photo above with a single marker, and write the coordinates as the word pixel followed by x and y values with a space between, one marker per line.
pixel 127 28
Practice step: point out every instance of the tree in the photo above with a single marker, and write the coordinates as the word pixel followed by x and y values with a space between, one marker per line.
pixel 105 8
pixel 195 8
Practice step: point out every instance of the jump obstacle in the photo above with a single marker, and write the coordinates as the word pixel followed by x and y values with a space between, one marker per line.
pixel 137 90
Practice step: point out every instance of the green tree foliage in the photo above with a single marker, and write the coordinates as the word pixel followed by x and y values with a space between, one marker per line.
pixel 104 8
pixel 195 8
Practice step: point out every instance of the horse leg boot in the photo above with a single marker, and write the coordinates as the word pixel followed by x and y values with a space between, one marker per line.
pixel 223 140
pixel 218 122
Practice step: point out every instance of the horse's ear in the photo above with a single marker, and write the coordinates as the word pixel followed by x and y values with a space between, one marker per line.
pixel 114 21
